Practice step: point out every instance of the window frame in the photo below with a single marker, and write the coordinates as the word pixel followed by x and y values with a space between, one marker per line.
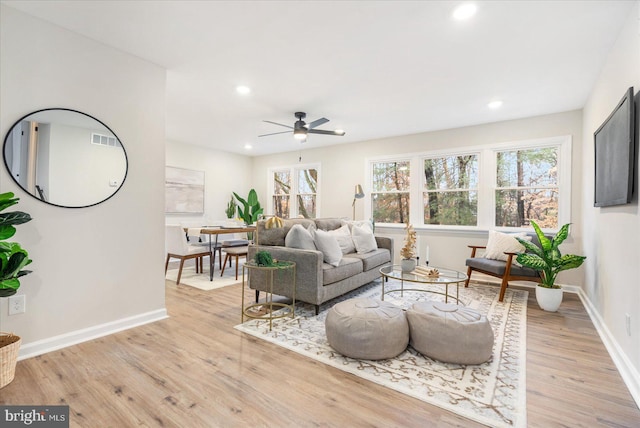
pixel 294 170
pixel 487 181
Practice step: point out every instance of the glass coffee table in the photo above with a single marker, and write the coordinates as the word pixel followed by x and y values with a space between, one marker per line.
pixel 445 277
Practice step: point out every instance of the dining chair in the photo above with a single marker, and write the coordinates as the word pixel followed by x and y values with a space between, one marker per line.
pixel 204 240
pixel 179 248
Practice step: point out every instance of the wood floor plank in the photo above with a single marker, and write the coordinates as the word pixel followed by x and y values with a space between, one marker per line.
pixel 195 370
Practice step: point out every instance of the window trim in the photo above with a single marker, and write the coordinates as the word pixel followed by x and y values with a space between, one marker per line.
pixel 293 201
pixel 487 180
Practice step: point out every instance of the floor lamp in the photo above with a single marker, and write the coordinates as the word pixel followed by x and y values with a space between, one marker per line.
pixel 359 194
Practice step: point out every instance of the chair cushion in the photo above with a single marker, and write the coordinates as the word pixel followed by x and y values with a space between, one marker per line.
pixel 235 243
pixel 498 267
pixel 237 251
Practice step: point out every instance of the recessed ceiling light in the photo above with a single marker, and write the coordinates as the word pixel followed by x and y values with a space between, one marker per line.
pixel 248 146
pixel 464 11
pixel 495 104
pixel 243 90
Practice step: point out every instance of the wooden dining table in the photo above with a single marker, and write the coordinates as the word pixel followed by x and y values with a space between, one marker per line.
pixel 217 231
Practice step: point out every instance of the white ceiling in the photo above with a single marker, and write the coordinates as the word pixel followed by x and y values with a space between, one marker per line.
pixel 374 68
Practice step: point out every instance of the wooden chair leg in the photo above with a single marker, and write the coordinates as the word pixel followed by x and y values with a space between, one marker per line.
pixel 237 256
pixel 503 287
pixel 466 283
pixel 166 264
pixel 224 265
pixel 180 271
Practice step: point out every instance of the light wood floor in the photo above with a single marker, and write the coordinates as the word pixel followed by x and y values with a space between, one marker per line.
pixel 195 370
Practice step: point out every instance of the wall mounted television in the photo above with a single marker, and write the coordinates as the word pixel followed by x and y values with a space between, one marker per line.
pixel 615 155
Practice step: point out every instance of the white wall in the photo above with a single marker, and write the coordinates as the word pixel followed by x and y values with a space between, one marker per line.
pixel 96 268
pixel 344 166
pixel 223 173
pixel 612 233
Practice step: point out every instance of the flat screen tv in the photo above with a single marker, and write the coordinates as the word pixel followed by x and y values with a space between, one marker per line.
pixel 615 155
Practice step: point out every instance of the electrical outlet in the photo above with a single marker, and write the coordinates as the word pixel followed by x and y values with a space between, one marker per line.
pixel 17 304
pixel 628 323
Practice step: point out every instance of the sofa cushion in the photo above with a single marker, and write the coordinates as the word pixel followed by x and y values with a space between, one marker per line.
pixel 328 223
pixel 276 235
pixel 363 239
pixel 372 259
pixel 343 236
pixel 498 267
pixel 347 268
pixel 328 245
pixel 299 237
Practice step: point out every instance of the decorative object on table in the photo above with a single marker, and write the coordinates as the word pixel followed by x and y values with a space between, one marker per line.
pixel 263 258
pixel 12 256
pixel 426 271
pixel 273 222
pixel 232 207
pixel 358 194
pixel 549 261
pixel 492 393
pixel 408 252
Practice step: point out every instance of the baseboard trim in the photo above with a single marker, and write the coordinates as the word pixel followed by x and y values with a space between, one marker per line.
pixel 629 374
pixel 74 337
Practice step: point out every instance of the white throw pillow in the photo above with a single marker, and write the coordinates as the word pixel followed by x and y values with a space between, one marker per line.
pixel 499 243
pixel 363 239
pixel 327 243
pixel 343 236
pixel 299 237
pixel 358 223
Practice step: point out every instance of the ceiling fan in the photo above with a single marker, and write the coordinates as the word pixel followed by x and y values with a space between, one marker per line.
pixel 301 128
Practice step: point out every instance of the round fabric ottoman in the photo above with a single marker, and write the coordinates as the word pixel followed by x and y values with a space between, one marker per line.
pixel 450 333
pixel 367 329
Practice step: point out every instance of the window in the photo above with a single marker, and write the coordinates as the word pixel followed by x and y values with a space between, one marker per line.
pixel 504 185
pixel 391 183
pixel 527 187
pixel 451 190
pixel 294 192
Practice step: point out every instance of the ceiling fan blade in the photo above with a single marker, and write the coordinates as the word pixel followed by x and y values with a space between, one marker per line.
pixel 275 133
pixel 279 124
pixel 318 122
pixel 320 131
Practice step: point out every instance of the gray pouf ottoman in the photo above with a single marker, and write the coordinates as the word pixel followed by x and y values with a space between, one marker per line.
pixel 450 333
pixel 367 329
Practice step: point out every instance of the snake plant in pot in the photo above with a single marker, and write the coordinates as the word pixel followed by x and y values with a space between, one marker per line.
pixel 549 261
pixel 13 258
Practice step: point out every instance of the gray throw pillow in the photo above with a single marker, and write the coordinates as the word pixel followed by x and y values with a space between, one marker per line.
pixel 299 237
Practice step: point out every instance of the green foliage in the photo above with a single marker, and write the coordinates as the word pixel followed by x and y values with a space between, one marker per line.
pixel 13 258
pixel 263 258
pixel 231 208
pixel 547 258
pixel 250 209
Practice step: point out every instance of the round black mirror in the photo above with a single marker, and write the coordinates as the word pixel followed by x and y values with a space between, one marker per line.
pixel 65 158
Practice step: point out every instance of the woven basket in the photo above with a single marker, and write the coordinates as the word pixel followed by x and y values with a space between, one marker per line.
pixel 9 346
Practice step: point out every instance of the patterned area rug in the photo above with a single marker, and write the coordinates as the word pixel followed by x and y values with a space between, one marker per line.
pixel 201 280
pixel 493 393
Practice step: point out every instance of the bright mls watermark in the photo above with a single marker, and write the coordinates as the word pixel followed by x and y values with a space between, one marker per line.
pixel 34 416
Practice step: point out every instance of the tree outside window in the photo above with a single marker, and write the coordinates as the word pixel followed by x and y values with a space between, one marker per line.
pixel 451 190
pixel 391 183
pixel 527 188
pixel 299 198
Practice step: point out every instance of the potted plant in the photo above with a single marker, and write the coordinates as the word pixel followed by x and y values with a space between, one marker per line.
pixel 408 252
pixel 250 209
pixel 12 259
pixel 231 209
pixel 549 261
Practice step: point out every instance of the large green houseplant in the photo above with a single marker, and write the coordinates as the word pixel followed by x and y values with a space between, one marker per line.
pixel 549 261
pixel 250 209
pixel 13 258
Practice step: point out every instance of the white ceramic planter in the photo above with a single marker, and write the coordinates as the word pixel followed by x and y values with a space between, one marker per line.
pixel 407 265
pixel 549 299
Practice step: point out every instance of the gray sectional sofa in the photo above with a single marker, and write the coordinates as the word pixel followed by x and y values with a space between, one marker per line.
pixel 316 281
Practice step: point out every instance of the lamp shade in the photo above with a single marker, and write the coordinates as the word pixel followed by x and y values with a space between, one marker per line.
pixel 359 194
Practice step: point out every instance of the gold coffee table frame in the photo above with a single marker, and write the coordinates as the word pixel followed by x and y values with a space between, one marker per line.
pixel 282 266
pixel 445 277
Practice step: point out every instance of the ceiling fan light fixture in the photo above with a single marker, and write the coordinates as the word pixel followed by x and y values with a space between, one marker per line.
pixel 300 134
pixel 339 131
